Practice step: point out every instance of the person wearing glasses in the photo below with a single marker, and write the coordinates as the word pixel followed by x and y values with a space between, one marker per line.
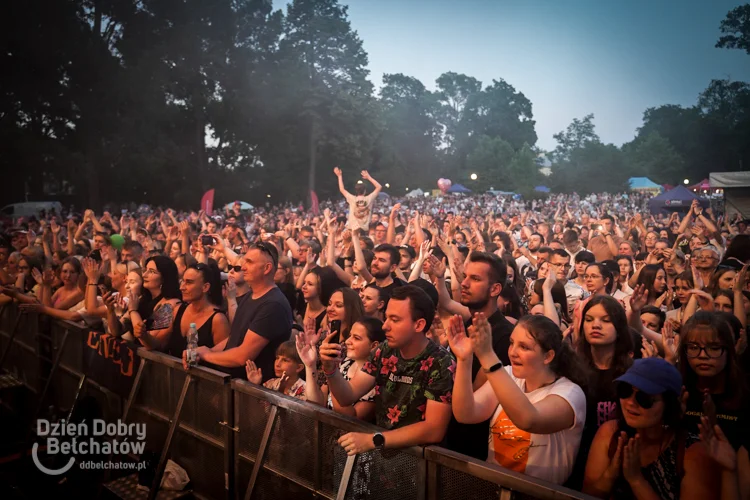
pixel 262 321
pixel 715 382
pixel 560 262
pixel 643 453
pixel 706 261
pixel 236 287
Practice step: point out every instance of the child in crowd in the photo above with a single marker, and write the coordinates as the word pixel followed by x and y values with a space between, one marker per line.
pixel 287 369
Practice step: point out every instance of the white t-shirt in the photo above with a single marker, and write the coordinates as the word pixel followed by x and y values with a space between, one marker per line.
pixel 360 211
pixel 544 456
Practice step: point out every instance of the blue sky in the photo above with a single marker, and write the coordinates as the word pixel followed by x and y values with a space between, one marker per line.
pixel 569 57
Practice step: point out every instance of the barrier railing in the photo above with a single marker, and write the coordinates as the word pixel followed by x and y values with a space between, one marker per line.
pixel 237 440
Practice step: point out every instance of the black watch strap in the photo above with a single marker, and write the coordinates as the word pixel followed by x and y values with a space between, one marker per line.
pixel 497 366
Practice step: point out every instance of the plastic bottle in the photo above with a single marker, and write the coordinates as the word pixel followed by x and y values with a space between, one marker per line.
pixel 192 344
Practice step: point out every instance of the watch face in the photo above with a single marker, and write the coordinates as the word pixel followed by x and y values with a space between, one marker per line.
pixel 378 440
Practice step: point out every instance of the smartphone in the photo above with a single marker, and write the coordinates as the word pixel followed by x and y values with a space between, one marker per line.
pixel 207 240
pixel 336 327
pixel 596 227
pixel 124 211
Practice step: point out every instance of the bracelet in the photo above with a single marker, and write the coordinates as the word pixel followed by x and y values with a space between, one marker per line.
pixel 327 374
pixel 91 284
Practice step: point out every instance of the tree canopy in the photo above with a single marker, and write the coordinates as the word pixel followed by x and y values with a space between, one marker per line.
pixel 157 101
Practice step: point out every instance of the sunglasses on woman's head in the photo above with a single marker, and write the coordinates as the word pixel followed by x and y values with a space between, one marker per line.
pixel 625 390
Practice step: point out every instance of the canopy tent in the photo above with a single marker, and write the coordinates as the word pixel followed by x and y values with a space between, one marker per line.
pixel 415 194
pixel 459 188
pixel 678 199
pixel 702 186
pixel 643 184
pixel 736 189
pixel 243 206
pixel 542 189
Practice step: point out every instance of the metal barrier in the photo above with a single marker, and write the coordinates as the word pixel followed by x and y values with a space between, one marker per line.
pixel 239 440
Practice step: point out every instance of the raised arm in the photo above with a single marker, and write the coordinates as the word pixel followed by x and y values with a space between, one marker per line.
pixel 366 176
pixel 342 189
pixel 359 256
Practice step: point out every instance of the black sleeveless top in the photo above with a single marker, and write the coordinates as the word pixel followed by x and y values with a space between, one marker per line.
pixel 178 343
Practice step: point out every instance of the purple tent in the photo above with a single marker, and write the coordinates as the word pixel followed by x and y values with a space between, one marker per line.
pixel 678 199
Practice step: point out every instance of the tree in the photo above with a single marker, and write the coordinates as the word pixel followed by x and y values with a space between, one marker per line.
pixel 578 133
pixel 453 93
pixel 324 56
pixel 736 29
pixel 654 157
pixel 491 160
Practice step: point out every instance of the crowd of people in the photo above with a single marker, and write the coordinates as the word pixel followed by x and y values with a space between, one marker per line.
pixel 580 340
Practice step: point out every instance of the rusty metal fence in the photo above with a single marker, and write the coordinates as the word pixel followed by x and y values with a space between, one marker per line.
pixel 237 440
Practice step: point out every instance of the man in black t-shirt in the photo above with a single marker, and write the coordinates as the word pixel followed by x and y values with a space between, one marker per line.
pixel 384 264
pixel 485 277
pixel 262 321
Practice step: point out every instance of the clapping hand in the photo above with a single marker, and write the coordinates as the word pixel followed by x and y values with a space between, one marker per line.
pixel 671 342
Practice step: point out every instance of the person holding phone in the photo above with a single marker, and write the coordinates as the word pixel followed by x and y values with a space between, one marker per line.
pixel 643 453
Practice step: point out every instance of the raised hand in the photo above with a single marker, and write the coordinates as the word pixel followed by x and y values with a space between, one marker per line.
pixel 480 333
pixel 48 277
pixel 631 460
pixel 231 288
pixel 254 374
pixel 37 276
pixel 671 342
pixel 717 445
pixel 649 349
pixel 550 281
pixel 365 175
pixel 306 348
pixel 459 342
pixel 639 299
pixel 705 301
pixel 337 171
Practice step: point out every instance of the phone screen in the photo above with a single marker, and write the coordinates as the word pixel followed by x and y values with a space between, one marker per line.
pixel 336 327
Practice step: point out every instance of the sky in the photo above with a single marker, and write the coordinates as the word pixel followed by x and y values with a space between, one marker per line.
pixel 570 58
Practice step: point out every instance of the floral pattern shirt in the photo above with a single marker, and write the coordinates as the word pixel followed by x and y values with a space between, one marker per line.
pixel 403 386
pixel 296 390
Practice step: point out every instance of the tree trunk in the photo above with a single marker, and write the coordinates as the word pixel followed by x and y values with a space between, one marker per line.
pixel 312 150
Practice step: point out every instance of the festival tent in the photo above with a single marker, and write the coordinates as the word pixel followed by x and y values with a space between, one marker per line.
pixel 459 188
pixel 702 186
pixel 243 206
pixel 542 189
pixel 415 194
pixel 736 189
pixel 678 199
pixel 643 184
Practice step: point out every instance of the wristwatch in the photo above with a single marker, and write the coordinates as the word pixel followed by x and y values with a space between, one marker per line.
pixel 378 440
pixel 497 366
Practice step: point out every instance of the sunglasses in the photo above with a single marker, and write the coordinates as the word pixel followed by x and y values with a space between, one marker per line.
pixel 236 269
pixel 625 390
pixel 266 248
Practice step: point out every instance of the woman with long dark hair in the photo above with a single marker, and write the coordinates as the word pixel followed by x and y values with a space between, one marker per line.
pixel 535 400
pixel 604 344
pixel 654 278
pixel 152 313
pixel 201 299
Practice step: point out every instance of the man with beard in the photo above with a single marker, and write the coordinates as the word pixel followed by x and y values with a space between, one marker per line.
pixel 486 274
pixel 528 259
pixel 384 264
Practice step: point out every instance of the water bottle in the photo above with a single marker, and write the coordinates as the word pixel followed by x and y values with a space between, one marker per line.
pixel 192 344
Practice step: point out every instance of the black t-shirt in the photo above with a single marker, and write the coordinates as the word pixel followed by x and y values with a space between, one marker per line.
pixel 732 418
pixel 390 288
pixel 472 439
pixel 268 316
pixel 601 406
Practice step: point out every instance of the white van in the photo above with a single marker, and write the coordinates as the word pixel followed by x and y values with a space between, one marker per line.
pixel 29 208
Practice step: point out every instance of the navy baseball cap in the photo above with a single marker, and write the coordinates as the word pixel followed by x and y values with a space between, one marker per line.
pixel 653 376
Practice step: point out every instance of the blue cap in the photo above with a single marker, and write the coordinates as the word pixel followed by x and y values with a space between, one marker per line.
pixel 653 376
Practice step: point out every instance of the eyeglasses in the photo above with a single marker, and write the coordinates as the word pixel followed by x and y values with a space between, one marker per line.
pixel 236 269
pixel 705 257
pixel 625 391
pixel 592 276
pixel 712 351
